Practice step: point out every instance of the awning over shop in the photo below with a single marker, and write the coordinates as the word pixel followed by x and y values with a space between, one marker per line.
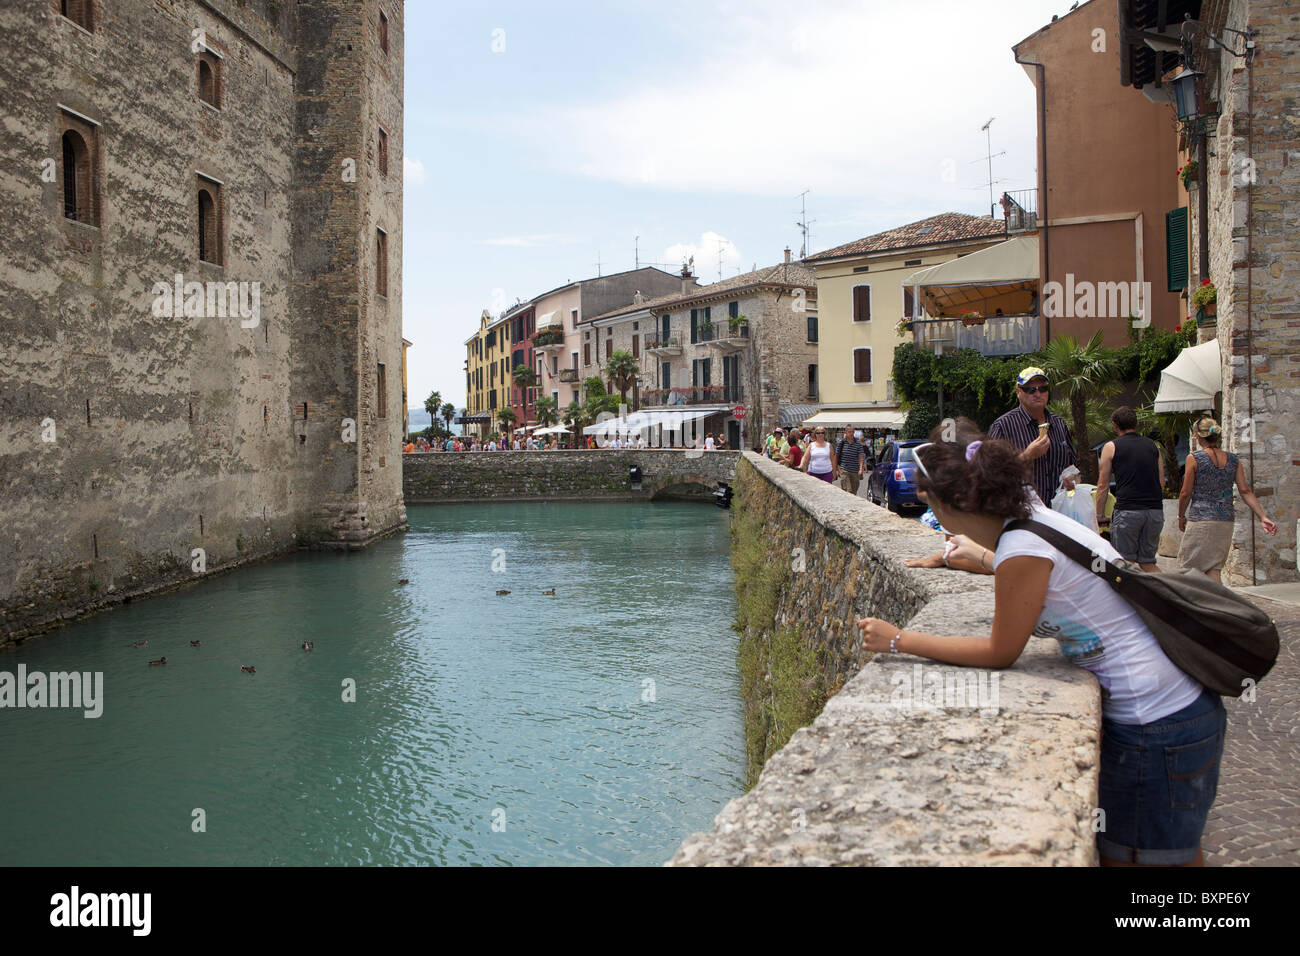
pixel 1191 380
pixel 859 417
pixel 547 320
pixel 669 420
pixel 794 414
pixel 477 418
pixel 1004 276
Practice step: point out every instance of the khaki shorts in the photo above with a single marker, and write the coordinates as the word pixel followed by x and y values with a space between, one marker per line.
pixel 849 481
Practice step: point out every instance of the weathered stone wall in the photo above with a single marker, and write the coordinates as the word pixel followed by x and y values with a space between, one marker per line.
pixel 129 438
pixel 448 477
pixel 885 773
pixel 1254 187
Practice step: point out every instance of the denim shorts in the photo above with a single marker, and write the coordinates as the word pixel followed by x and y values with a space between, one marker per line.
pixel 1158 781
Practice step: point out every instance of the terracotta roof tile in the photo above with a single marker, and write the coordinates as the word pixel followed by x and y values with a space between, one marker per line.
pixel 946 227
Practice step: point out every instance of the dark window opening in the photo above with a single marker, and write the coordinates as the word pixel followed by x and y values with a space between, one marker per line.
pixel 78 179
pixel 210 79
pixel 209 224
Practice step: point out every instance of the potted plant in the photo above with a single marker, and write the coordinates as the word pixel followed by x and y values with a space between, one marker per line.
pixel 1206 299
pixel 1187 173
pixel 971 317
pixel 734 322
pixel 904 325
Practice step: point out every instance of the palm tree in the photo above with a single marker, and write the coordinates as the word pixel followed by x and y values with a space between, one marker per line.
pixel 575 418
pixel 548 411
pixel 507 418
pixel 432 404
pixel 597 399
pixel 1078 373
pixel 622 370
pixel 448 413
pixel 525 378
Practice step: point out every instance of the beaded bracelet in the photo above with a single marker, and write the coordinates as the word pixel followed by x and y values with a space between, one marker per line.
pixel 893 643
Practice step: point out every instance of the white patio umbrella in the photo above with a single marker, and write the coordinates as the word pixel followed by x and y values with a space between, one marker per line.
pixel 1191 380
pixel 552 430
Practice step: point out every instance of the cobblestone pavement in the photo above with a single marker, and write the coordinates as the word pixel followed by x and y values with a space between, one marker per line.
pixel 1255 820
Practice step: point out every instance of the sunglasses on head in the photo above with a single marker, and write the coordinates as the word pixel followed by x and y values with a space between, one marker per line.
pixel 1035 389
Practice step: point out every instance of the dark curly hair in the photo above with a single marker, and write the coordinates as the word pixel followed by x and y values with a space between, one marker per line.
pixel 994 481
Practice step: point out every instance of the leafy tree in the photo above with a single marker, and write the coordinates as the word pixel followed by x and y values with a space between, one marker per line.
pixel 1079 373
pixel 448 411
pixel 548 411
pixel 575 417
pixel 622 370
pixel 524 376
pixel 597 399
pixel 506 417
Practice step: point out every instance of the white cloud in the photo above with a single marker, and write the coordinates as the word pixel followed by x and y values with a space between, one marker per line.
pixel 412 171
pixel 842 99
pixel 705 252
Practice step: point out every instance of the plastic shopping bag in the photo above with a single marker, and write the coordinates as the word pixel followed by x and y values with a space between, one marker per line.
pixel 1077 503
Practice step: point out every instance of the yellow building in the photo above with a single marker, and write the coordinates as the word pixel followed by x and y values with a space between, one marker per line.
pixel 861 298
pixel 487 374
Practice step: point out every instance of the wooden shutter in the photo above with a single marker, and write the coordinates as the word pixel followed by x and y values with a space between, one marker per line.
pixel 812 328
pixel 1176 249
pixel 862 366
pixel 586 353
pixel 695 326
pixel 636 346
pixel 862 303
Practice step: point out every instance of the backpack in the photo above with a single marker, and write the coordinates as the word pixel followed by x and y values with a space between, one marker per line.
pixel 1211 633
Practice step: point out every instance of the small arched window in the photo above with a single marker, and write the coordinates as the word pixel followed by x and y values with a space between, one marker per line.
pixel 78 179
pixel 79 12
pixel 209 227
pixel 210 79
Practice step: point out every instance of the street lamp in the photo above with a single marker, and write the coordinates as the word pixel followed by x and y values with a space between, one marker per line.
pixel 1184 85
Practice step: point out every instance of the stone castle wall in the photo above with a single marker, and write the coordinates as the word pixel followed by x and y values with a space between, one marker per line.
pixel 889 771
pixel 454 477
pixel 130 438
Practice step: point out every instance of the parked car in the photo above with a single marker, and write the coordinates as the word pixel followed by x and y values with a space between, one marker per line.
pixel 893 479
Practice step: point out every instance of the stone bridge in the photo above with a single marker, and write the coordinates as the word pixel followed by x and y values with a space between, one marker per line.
pixel 449 477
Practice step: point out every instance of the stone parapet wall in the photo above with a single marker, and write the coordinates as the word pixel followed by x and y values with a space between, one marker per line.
pixel 453 477
pixel 884 774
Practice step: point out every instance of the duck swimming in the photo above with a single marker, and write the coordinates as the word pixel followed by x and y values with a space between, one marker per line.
pixel 404 581
pixel 139 643
pixel 309 645
pixel 502 591
pixel 194 643
pixel 551 592
pixel 248 670
pixel 161 660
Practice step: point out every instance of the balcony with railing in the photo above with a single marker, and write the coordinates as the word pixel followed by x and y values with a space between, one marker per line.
pixel 995 335
pixel 727 339
pixel 548 340
pixel 568 375
pixel 1020 210
pixel 670 345
pixel 693 395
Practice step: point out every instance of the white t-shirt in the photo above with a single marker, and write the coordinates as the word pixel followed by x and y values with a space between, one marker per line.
pixel 708 443
pixel 1098 630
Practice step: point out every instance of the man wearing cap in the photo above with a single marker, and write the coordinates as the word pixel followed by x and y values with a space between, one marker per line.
pixel 1047 455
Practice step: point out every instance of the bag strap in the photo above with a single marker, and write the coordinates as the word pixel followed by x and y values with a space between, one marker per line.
pixel 1126 583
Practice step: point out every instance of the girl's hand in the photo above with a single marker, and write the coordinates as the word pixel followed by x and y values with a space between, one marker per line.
pixel 1182 524
pixel 964 547
pixel 1270 526
pixel 876 634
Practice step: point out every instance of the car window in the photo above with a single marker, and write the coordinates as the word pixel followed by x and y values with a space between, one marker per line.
pixel 905 454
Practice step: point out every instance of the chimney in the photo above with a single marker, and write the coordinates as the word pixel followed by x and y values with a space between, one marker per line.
pixel 688 280
pixel 787 255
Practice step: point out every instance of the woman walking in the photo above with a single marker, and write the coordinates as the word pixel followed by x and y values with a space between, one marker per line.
pixel 817 458
pixel 1205 503
pixel 1162 732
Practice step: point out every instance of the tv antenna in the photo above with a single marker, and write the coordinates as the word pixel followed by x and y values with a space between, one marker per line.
pixel 597 263
pixel 989 157
pixel 636 250
pixel 721 245
pixel 804 223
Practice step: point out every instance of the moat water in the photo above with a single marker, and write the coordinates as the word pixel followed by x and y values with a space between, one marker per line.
pixel 600 725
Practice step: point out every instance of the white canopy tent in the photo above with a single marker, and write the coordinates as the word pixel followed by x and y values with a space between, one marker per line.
pixel 1003 276
pixel 554 430
pixel 1191 380
pixel 860 417
pixel 646 419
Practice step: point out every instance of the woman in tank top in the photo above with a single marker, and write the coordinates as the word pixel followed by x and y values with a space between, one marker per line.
pixel 1205 504
pixel 817 458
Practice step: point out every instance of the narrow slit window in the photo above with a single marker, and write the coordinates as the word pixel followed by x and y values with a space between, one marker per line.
pixel 383 32
pixel 78 171
pixel 383 152
pixel 381 262
pixel 381 397
pixel 210 79
pixel 80 12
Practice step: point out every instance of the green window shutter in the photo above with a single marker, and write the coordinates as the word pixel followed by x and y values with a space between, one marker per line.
pixel 1176 248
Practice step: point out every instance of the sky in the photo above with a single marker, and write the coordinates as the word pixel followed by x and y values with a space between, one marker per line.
pixel 547 143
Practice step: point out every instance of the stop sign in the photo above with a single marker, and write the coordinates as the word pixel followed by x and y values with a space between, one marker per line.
pixel 739 411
